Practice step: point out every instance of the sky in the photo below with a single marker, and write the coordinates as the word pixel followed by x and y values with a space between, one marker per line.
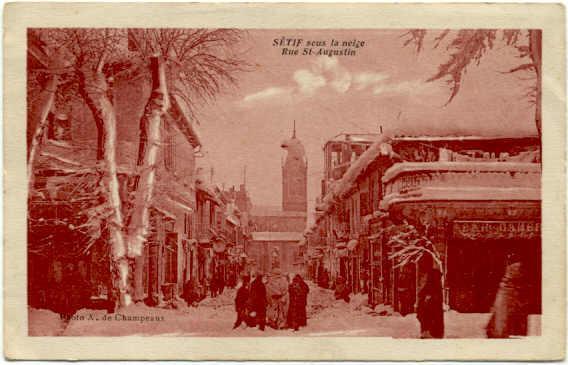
pixel 383 84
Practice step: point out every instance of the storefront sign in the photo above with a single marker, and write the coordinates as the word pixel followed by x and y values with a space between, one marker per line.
pixel 473 230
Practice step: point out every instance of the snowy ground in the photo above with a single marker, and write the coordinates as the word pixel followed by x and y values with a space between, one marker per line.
pixel 215 317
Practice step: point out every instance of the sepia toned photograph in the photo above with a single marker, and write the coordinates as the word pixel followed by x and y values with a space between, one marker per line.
pixel 227 182
pixel 303 182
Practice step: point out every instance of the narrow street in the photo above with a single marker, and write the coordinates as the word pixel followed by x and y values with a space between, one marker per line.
pixel 215 317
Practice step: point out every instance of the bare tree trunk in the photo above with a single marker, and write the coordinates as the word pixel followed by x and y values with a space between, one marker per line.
pixel 150 139
pixel 94 89
pixel 47 100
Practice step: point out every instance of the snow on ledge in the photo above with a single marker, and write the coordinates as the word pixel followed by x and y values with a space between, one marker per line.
pixel 452 193
pixel 473 167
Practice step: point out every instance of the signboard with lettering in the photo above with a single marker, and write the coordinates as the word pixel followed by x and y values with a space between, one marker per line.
pixel 473 230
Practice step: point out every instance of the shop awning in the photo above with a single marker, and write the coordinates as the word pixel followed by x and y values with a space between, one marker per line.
pixel 351 245
pixel 232 219
pixel 180 204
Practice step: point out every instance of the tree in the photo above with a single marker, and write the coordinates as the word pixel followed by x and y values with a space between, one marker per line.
pixel 468 47
pixel 192 64
pixel 96 51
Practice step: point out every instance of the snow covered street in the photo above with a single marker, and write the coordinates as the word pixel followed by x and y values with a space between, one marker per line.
pixel 215 317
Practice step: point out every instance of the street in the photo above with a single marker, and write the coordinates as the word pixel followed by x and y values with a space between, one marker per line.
pixel 215 317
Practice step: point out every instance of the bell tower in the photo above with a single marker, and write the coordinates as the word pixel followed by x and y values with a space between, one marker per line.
pixel 294 175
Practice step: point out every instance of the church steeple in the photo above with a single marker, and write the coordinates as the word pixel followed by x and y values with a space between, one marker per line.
pixel 294 175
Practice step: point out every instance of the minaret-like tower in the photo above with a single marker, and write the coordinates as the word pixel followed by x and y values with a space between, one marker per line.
pixel 294 175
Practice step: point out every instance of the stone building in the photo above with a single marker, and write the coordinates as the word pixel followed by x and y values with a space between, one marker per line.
pixel 476 199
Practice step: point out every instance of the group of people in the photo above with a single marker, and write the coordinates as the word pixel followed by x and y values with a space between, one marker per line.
pixel 275 300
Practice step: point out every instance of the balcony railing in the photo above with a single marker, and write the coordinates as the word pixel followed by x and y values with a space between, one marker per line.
pixel 411 181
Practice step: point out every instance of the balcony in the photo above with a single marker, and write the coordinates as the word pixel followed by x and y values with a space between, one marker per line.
pixel 447 181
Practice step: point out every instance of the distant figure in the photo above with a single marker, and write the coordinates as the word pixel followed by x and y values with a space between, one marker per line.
pixel 510 310
pixel 220 281
pixel 277 300
pixel 324 279
pixel 341 289
pixel 363 281
pixel 191 292
pixel 257 302
pixel 297 316
pixel 241 301
pixel 430 309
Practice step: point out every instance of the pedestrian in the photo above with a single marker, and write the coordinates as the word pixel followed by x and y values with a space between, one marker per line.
pixel 257 302
pixel 220 281
pixel 363 280
pixel 324 279
pixel 298 290
pixel 191 292
pixel 341 289
pixel 430 308
pixel 304 307
pixel 510 310
pixel 241 301
pixel 277 300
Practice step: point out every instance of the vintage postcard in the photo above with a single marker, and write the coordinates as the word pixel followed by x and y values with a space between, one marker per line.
pixel 284 181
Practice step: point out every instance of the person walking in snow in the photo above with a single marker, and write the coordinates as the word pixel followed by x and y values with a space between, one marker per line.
pixel 298 291
pixel 277 299
pixel 191 292
pixel 429 308
pixel 341 289
pixel 257 302
pixel 241 301
pixel 510 310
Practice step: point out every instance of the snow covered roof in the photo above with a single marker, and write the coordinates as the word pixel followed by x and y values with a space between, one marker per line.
pixel 380 147
pixel 354 137
pixel 233 219
pixel 276 236
pixel 454 138
pixel 469 166
pixel 205 188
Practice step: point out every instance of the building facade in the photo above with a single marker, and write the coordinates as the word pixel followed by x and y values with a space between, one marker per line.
pixel 476 199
